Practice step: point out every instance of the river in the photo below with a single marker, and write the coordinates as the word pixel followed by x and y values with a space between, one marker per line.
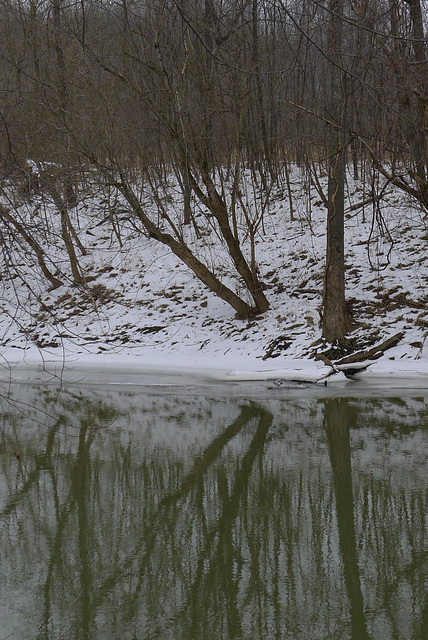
pixel 246 512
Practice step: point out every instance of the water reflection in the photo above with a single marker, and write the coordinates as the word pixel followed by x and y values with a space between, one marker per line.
pixel 339 415
pixel 139 516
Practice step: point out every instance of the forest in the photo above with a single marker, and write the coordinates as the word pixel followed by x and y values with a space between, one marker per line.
pixel 182 117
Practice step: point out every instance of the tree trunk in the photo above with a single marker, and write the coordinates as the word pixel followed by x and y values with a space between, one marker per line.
pixel 217 206
pixel 335 320
pixel 335 323
pixel 67 230
pixel 412 84
pixel 418 134
pixel 248 275
pixel 55 282
pixel 183 252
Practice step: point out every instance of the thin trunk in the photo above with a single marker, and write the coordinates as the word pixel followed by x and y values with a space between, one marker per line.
pixel 218 208
pixel 64 104
pixel 78 277
pixel 187 209
pixel 55 282
pixel 183 252
pixel 67 231
pixel 260 112
pixel 412 87
pixel 421 94
pixel 289 190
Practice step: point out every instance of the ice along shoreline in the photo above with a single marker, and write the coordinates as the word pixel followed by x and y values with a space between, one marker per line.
pixel 33 365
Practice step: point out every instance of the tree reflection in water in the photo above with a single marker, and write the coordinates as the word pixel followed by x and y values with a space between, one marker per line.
pixel 338 417
pixel 151 516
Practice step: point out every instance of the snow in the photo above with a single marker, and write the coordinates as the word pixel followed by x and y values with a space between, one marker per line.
pixel 148 318
pixel 127 368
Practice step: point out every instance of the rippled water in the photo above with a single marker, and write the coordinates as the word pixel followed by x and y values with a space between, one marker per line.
pixel 156 513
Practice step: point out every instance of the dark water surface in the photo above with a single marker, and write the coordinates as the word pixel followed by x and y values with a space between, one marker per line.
pixel 159 514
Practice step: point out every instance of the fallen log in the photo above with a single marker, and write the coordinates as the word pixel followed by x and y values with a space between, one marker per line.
pixel 371 354
pixel 359 361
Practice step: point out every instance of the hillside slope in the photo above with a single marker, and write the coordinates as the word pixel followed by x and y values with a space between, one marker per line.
pixel 141 301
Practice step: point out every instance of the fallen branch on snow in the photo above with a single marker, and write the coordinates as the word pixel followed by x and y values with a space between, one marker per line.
pixel 360 358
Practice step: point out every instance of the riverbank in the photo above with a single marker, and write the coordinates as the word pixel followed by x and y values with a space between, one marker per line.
pixel 130 369
pixel 142 311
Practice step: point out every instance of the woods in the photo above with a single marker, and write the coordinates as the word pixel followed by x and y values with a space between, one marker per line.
pixel 184 117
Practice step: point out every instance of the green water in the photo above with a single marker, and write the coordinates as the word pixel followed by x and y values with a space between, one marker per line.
pixel 152 515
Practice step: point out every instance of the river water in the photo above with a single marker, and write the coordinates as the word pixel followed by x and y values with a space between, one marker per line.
pixel 205 513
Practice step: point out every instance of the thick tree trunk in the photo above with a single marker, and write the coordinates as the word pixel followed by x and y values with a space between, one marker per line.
pixel 335 320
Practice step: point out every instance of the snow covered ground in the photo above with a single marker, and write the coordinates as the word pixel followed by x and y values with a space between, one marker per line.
pixel 147 315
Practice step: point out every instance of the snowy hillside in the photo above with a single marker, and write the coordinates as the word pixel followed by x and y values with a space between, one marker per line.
pixel 141 301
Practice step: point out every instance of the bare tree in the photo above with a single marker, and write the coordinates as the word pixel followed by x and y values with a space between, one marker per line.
pixel 335 320
pixel 161 71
